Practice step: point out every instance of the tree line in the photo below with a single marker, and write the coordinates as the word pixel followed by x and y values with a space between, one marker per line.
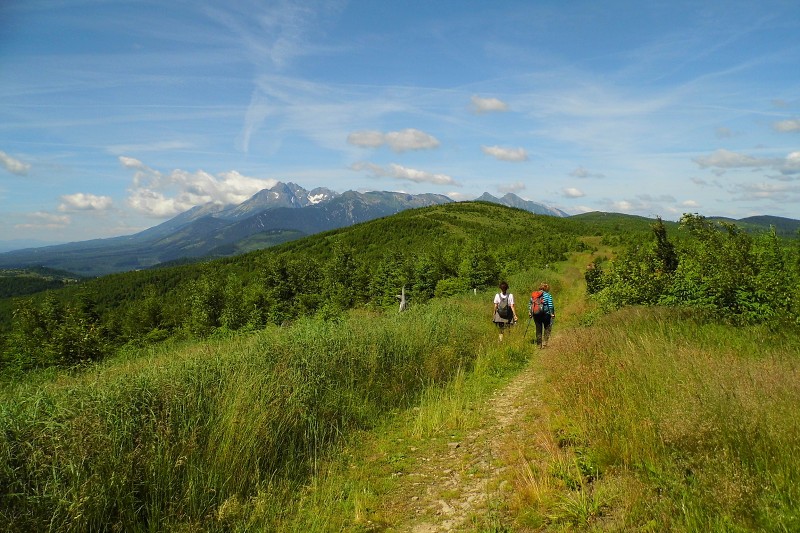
pixel 715 267
pixel 430 252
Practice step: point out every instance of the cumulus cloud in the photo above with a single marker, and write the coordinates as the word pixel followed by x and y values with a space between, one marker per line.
pixel 84 202
pixel 398 141
pixel 690 203
pixel 581 172
pixel 786 126
pixel 13 165
pixel 572 192
pixel 160 194
pixel 399 172
pixel 43 220
pixel 488 105
pixel 506 154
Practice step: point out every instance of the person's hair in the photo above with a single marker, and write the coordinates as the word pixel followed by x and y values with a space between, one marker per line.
pixel 503 286
pixel 544 287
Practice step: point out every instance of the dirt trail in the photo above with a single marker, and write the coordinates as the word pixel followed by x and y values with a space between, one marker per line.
pixel 463 483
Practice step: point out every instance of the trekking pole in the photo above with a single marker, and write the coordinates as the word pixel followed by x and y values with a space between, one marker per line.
pixel 526 327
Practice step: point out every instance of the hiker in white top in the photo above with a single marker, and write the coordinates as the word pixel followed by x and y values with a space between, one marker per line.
pixel 505 314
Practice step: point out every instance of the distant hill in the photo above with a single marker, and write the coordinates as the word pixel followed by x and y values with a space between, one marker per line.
pixel 272 216
pixel 512 200
pixel 784 227
pixel 602 223
pixel 19 282
pixel 281 214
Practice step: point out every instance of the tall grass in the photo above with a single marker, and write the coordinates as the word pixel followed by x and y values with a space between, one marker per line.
pixel 179 438
pixel 690 426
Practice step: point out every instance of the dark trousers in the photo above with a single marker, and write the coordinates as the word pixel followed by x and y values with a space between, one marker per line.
pixel 543 326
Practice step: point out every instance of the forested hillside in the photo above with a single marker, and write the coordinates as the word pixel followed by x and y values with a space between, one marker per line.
pixel 435 251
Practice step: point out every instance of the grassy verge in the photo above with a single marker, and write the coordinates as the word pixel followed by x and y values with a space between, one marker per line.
pixel 657 422
pixel 205 435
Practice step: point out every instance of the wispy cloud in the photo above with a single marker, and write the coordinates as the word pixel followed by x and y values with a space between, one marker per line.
pixel 726 159
pixel 399 172
pixel 44 220
pixel 13 165
pixel 722 160
pixel 506 154
pixel 487 105
pixel 512 187
pixel 779 192
pixel 581 172
pixel 161 146
pixel 398 141
pixel 786 126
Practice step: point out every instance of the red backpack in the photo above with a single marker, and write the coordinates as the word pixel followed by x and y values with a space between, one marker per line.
pixel 538 307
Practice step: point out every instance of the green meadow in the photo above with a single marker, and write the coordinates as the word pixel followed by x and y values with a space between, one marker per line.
pixel 640 415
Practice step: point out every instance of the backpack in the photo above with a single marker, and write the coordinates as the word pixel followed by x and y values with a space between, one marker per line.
pixel 538 305
pixel 503 309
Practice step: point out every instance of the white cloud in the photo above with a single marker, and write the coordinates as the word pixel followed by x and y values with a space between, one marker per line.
pixel 155 204
pixel 399 172
pixel 506 154
pixel 13 165
pixel 792 164
pixel 785 126
pixel 43 220
pixel 398 141
pixel 410 139
pixel 160 194
pixel 690 203
pixel 488 105
pixel 512 187
pixel 84 202
pixel 460 196
pixel 622 205
pixel 725 159
pixel 367 139
pixel 572 192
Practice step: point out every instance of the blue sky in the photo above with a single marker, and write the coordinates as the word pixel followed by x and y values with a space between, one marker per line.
pixel 117 115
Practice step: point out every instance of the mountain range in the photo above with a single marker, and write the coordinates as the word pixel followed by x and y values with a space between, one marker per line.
pixel 272 216
pixel 284 212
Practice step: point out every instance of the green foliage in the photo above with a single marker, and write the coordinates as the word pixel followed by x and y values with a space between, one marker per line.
pixel 18 282
pixel 55 334
pixel 715 267
pixel 693 424
pixel 171 439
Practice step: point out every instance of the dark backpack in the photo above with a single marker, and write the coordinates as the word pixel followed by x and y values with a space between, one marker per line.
pixel 503 309
pixel 538 305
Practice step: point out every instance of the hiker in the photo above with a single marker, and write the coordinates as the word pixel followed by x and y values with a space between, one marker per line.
pixel 505 314
pixel 543 312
